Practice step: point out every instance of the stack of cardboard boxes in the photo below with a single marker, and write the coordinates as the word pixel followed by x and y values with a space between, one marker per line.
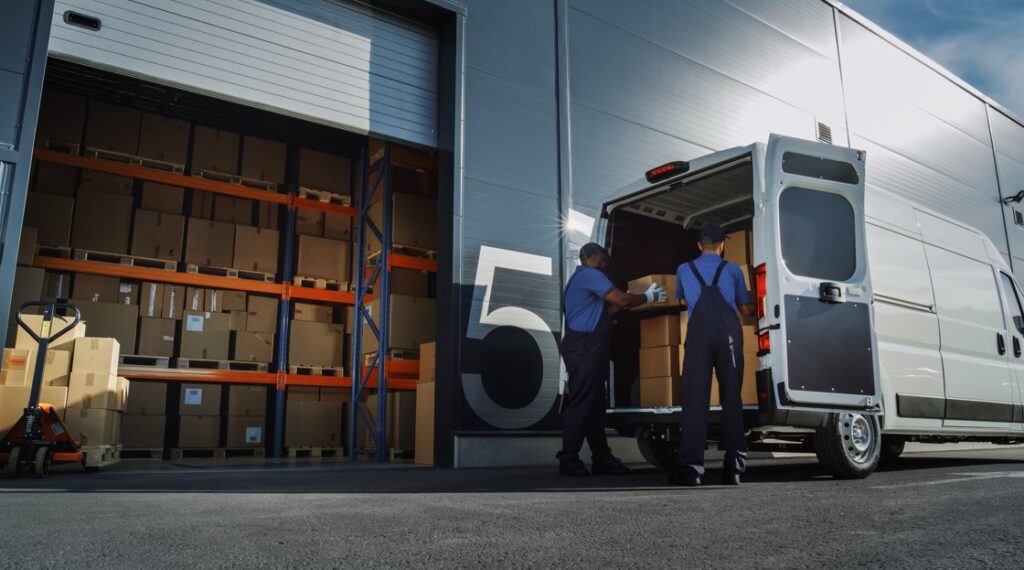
pixel 145 419
pixel 315 417
pixel 199 416
pixel 247 411
pixel 97 397
pixel 425 398
pixel 315 338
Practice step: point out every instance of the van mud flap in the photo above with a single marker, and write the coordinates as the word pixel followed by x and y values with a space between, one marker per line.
pixel 828 347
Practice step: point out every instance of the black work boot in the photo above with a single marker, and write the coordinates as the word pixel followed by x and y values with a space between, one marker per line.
pixel 572 468
pixel 684 478
pixel 609 465
pixel 730 478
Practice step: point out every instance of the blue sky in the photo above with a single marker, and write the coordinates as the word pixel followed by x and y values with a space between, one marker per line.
pixel 981 41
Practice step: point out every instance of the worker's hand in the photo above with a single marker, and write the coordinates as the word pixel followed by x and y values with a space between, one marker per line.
pixel 655 293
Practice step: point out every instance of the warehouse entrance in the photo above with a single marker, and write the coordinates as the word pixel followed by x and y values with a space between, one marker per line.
pixel 214 251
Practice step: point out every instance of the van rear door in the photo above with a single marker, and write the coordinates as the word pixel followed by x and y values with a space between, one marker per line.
pixel 817 299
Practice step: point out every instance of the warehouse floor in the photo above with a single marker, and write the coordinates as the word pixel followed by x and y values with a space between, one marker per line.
pixel 327 514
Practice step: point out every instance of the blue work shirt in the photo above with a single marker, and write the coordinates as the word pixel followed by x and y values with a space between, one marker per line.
pixel 731 283
pixel 584 298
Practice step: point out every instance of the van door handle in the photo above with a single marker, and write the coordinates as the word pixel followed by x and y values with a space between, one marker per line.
pixel 1016 347
pixel 1001 343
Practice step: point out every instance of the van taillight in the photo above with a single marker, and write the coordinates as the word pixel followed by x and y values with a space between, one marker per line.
pixel 760 296
pixel 764 345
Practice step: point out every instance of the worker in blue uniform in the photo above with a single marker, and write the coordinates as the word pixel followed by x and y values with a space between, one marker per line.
pixel 589 302
pixel 713 290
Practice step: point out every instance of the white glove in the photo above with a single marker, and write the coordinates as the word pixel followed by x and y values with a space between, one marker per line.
pixel 655 294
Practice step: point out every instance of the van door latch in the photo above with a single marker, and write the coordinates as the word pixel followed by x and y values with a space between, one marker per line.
pixel 830 292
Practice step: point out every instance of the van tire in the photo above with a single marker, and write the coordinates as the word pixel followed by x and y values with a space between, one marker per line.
pixel 658 452
pixel 850 446
pixel 892 448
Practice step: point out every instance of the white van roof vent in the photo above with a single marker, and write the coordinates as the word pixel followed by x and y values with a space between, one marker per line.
pixel 824 133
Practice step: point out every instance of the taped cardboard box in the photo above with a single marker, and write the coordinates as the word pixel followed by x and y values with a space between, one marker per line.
pixel 658 392
pixel 411 323
pixel 105 183
pixel 316 344
pixel 232 300
pixel 158 235
pixel 309 222
pixel 739 249
pixel 101 222
pixel 409 282
pixel 28 286
pixel 425 394
pixel 659 361
pixel 112 320
pixel 247 400
pixel 93 426
pixel 199 432
pixel 195 299
pixel 232 210
pixel 263 159
pixel 57 285
pixel 252 346
pixel 151 299
pixel 323 171
pixel 19 365
pixel 14 400
pixel 314 313
pixel 209 243
pixel 267 214
pixel 668 282
pixel 51 216
pixel 96 288
pixel 236 320
pixel 143 431
pixel 35 322
pixel 61 116
pixel 216 150
pixel 199 400
pixel 156 336
pixel 245 431
pixel 337 227
pixel 97 355
pixel 56 179
pixel 414 221
pixel 27 245
pixel 214 300
pixel 313 423
pixel 324 258
pixel 157 197
pixel 174 301
pixel 112 127
pixel 163 138
pixel 262 314
pixel 147 398
pixel 205 335
pixel 659 331
pixel 91 390
pixel 256 249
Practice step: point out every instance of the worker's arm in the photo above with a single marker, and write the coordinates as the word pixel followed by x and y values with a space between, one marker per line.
pixel 623 300
pixel 747 309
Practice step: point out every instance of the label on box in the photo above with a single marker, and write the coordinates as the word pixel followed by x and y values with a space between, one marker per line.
pixel 193 396
pixel 194 323
pixel 125 288
pixel 254 435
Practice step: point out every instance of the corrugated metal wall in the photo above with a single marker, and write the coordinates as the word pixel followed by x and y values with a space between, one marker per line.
pixel 1008 138
pixel 331 62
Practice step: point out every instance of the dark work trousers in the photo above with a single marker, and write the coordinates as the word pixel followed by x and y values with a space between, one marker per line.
pixel 587 359
pixel 714 341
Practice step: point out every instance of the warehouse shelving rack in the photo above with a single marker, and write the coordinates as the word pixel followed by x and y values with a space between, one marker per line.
pixel 399 375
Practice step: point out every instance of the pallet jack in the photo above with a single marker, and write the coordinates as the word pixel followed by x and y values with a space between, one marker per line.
pixel 40 439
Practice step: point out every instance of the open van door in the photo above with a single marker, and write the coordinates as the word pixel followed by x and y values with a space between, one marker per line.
pixel 817 299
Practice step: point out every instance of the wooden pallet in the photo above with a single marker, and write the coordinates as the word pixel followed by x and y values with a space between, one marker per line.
pixel 142 360
pixel 60 251
pixel 394 354
pixel 235 179
pixel 212 364
pixel 324 196
pixel 393 453
pixel 229 272
pixel 157 454
pixel 123 259
pixel 177 454
pixel 245 452
pixel 320 283
pixel 57 146
pixel 97 456
pixel 300 370
pixel 314 451
pixel 136 160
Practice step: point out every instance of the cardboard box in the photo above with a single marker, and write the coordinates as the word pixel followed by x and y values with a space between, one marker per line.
pixel 101 222
pixel 147 398
pixel 335 394
pixel 56 179
pixel 337 227
pixel 659 361
pixel 425 395
pixel 199 432
pixel 128 293
pixel 323 171
pixel 659 331
pixel 309 222
pixel 164 198
pixel 247 400
pixel 232 210
pixel 314 313
pixel 105 183
pixel 262 314
pixel 256 249
pixel 57 285
pixel 414 221
pixel 401 419
pixel 303 394
pixel 163 138
pixel 97 355
pixel 156 336
pixel 324 258
pixel 205 335
pixel 112 127
pixel 158 235
pixel 27 245
pixel 213 300
pixel 409 282
pixel 19 365
pixel 739 249
pixel 35 322
pixel 313 423
pixel 14 400
pixel 263 159
pixel 411 323
pixel 199 400
pixel 668 282
pixel 195 299
pixel 112 320
pixel 267 215
pixel 93 390
pixel 28 287
pixel 316 344
pixel 151 299
pixel 143 431
pixel 123 387
pixel 214 149
pixel 93 426
pixel 51 216
pixel 659 392
pixel 96 288
pixel 245 431
pixel 61 116
pixel 236 320
pixel 174 301
pixel 202 205
pixel 211 244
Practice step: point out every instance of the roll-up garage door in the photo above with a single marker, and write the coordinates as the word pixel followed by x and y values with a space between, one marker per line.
pixel 338 63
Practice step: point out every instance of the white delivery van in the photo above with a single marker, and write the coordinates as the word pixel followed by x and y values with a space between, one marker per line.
pixel 878 321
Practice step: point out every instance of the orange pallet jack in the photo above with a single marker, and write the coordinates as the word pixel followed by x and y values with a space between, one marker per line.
pixel 40 439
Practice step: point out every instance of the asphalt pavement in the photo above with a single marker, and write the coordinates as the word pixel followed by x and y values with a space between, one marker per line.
pixel 948 510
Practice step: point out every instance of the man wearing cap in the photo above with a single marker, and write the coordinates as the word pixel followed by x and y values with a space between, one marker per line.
pixel 589 302
pixel 713 290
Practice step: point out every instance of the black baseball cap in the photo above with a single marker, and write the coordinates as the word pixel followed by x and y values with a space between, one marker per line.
pixel 590 250
pixel 712 233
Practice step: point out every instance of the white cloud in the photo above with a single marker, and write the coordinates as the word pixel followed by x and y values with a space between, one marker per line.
pixel 993 60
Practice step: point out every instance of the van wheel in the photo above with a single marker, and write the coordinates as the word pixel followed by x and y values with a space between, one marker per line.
pixel 658 452
pixel 892 448
pixel 850 447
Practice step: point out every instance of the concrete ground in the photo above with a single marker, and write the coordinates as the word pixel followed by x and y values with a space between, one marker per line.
pixel 947 510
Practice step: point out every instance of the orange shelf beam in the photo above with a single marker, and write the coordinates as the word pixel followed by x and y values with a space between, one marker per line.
pixel 323 295
pixel 410 262
pixel 336 209
pixel 197 375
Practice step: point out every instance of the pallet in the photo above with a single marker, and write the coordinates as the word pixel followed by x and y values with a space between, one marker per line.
pixel 320 283
pixel 393 453
pixel 123 259
pixel 178 454
pixel 136 160
pixel 314 451
pixel 96 456
pixel 394 354
pixel 141 360
pixel 324 196
pixel 229 272
pixel 58 146
pixel 212 364
pixel 245 452
pixel 235 179
pixel 300 370
pixel 60 251
pixel 157 454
